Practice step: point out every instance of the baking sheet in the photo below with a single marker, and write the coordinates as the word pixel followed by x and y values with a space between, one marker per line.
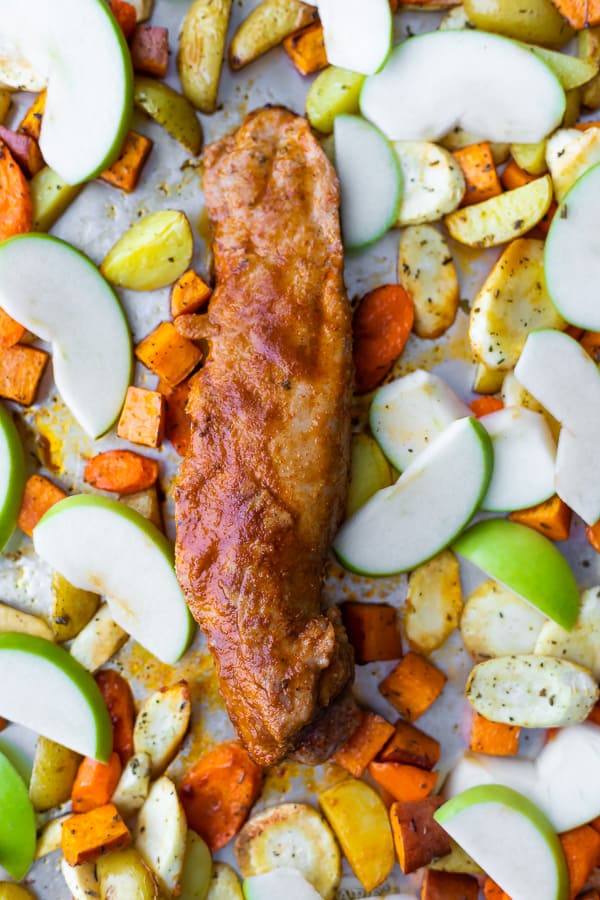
pixel 57 446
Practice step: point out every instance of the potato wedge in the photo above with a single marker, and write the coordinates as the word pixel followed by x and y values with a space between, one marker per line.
pixel 171 110
pixel 143 9
pixel 570 153
pixel 50 197
pixel 360 822
pixel 487 381
pixel 502 218
pixel 11 891
pixel 161 724
pixel 530 157
pixel 582 644
pixel 125 874
pixel 147 504
pixel 152 254
pixel 291 834
pixel 81 880
pixel 434 602
pixel 99 640
pixel 537 21
pixel 201 47
pixel 456 861
pixel 161 834
pixel 334 92
pixel 512 302
pixel 133 786
pixel 266 27
pixel 50 837
pixel 458 138
pixel 197 869
pixel 54 770
pixel 71 608
pixel 433 182
pixel 369 472
pixel 532 691
pixel 12 619
pixel 588 48
pixel 495 622
pixel 224 885
pixel 514 394
pixel 572 107
pixel 427 271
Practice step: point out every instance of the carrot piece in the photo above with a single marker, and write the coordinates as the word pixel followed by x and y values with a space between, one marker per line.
pixel 595 824
pixel 87 836
pixel 125 15
pixel 584 126
pixel 121 471
pixel 543 226
pixel 493 738
pixel 581 847
pixel 551 518
pixel 142 420
pixel 168 355
pixel 514 176
pixel 417 836
pixel 590 342
pixel 491 891
pixel 24 149
pixel 31 122
pixel 306 49
pixel 178 425
pixel 218 792
pixel 574 11
pixel 574 332
pixel 594 715
pixel 407 784
pixel 382 323
pixel 189 294
pixel 364 744
pixel 150 50
pixel 11 332
pixel 126 170
pixel 15 198
pixel 479 169
pixel 592 533
pixel 372 630
pixel 413 686
pixel 411 746
pixel 3 723
pixel 483 406
pixel 448 886
pixel 590 895
pixel 119 701
pixel 39 495
pixel 95 783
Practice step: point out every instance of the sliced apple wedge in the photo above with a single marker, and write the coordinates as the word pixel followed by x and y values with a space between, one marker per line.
pixel 59 295
pixel 17 822
pixel 494 825
pixel 45 689
pixel 402 526
pixel 432 107
pixel 83 537
pixel 76 49
pixel 12 476
pixel 348 43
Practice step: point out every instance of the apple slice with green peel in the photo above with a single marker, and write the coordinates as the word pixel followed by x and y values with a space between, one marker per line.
pixel 76 49
pixel 409 413
pixel 284 882
pixel 45 689
pixel 348 43
pixel 370 181
pixel 527 563
pixel 524 457
pixel 402 526
pixel 432 107
pixel 12 476
pixel 59 295
pixel 17 822
pixel 511 839
pixel 83 537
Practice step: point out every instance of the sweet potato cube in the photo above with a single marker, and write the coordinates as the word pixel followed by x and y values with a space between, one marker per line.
pixel 417 836
pixel 189 294
pixel 121 471
pixel 373 631
pixel 126 170
pixel 594 715
pixel 21 369
pixel 407 784
pixel 143 417
pixel 491 891
pixel 581 847
pixel 479 169
pixel 31 123
pixel 551 518
pixel 411 746
pixel 306 49
pixel 150 50
pixel 168 355
pixel 87 836
pixel 493 738
pixel 11 332
pixel 126 15
pixel 514 176
pixel 574 11
pixel 39 495
pixel 25 150
pixel 413 686
pixel 178 427
pixel 364 744
pixel 448 886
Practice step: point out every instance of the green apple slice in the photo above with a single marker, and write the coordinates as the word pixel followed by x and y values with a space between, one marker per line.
pixel 370 181
pixel 402 526
pixel 527 563
pixel 511 839
pixel 12 476
pixel 409 413
pixel 77 49
pixel 348 43
pixel 104 546
pixel 17 822
pixel 45 689
pixel 281 882
pixel 432 107
pixel 524 457
pixel 59 295
pixel 571 260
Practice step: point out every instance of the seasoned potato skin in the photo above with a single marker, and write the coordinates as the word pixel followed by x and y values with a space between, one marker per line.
pixel 537 21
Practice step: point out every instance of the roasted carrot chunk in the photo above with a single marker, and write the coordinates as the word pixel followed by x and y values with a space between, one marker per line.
pixel 483 406
pixel 479 169
pixel 491 891
pixel 21 370
pixel 448 886
pixel 189 294
pixel 574 11
pixel 142 420
pixel 168 355
pixel 10 331
pixel 590 342
pixel 594 715
pixel 121 471
pixel 150 50
pixel 306 49
pixel 24 149
pixel 126 170
pixel 178 425
pixel 95 783
pixel 382 324
pixel 125 15
pixel 413 686
pixel 3 723
pixel 585 126
pixel 39 495
pixel 364 744
pixel 31 123
pixel 372 630
pixel 581 847
pixel 119 701
pixel 551 518
pixel 417 836
pixel 218 792
pixel 574 332
pixel 494 738
pixel 407 784
pixel 411 746
pixel 87 836
pixel 15 198
pixel 514 176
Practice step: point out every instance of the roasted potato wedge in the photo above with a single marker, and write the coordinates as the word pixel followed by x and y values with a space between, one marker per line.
pixel 124 874
pixel 161 835
pixel 572 107
pixel 224 885
pixel 161 724
pixel 171 110
pixel 427 271
pixel 588 48
pixel 434 602
pixel 334 92
pixel 147 504
pixel 50 837
pixel 99 640
pixel 5 103
pixel 433 182
pixel 369 472
pixel 71 608
pixel 456 19
pixel 133 786
pixel 12 619
pixel 11 891
pixel 495 622
pixel 266 27
pixel 143 9
pixel 456 861
pixel 537 21
pixel 582 644
pixel 487 381
pixel 54 770
pixel 81 880
pixel 197 868
pixel 570 153
pixel 201 47
pixel 50 197
pixel 531 157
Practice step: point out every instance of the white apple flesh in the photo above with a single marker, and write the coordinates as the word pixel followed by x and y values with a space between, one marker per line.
pixel 348 43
